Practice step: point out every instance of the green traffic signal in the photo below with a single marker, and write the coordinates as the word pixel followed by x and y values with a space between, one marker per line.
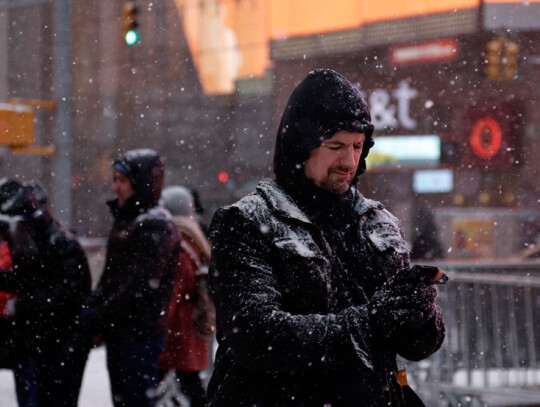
pixel 130 22
pixel 132 37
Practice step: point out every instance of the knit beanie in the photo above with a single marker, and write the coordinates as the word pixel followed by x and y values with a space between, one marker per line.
pixel 178 201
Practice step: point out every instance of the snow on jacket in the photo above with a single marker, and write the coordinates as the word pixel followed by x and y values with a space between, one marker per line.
pixel 287 336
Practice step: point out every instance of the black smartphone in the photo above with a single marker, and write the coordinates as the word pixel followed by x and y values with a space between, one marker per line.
pixel 427 274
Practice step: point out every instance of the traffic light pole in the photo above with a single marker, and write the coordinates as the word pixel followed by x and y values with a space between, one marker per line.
pixel 62 81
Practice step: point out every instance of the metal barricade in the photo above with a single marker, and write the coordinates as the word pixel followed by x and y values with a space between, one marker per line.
pixel 490 354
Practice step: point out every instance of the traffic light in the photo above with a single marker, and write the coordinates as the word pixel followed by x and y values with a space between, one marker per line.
pixel 223 176
pixel 502 59
pixel 494 58
pixel 130 23
pixel 511 59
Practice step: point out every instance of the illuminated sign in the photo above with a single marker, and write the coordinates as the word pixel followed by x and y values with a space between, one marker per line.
pixel 430 51
pixel 486 137
pixel 433 181
pixel 16 125
pixel 399 151
pixel 387 114
pixel 230 40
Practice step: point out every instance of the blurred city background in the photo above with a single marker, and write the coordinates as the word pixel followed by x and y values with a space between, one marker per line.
pixel 454 91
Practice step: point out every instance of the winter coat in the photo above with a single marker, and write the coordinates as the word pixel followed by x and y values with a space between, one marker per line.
pixel 5 263
pixel 51 280
pixel 293 328
pixel 132 297
pixel 5 332
pixel 184 350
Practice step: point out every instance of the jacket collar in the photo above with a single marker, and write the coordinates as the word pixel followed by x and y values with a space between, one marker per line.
pixel 128 211
pixel 281 203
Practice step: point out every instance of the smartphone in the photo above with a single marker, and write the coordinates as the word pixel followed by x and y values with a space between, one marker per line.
pixel 427 274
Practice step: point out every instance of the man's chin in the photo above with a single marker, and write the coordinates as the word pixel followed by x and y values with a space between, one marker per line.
pixel 340 188
pixel 337 187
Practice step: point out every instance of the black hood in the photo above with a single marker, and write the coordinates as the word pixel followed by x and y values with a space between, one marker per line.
pixel 323 104
pixel 144 169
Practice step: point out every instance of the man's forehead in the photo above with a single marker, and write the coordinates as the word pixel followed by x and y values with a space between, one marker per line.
pixel 346 137
pixel 120 175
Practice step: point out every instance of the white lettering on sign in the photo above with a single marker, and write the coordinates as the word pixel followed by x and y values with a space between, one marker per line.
pixel 431 51
pixel 387 113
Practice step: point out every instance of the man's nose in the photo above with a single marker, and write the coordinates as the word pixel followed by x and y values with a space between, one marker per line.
pixel 348 157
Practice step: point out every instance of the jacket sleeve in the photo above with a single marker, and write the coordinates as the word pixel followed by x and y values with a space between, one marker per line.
pixel 251 320
pixel 412 341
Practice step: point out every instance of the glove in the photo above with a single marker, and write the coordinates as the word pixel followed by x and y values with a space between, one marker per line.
pixel 401 302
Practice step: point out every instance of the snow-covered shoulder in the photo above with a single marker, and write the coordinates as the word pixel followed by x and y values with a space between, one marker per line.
pixel 153 214
pixel 382 227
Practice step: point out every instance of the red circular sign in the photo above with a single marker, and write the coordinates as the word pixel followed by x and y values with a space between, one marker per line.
pixel 486 137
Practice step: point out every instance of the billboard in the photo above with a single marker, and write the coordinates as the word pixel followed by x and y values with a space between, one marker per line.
pixel 230 40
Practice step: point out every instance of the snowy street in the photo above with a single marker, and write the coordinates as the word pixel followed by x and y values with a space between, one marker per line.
pixel 95 389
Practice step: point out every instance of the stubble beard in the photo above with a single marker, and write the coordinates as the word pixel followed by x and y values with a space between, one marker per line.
pixel 337 186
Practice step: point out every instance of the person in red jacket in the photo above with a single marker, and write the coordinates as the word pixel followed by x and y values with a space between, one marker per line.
pixel 5 263
pixel 187 349
pixel 5 299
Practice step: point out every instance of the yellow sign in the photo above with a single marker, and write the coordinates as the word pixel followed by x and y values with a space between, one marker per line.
pixel 472 238
pixel 16 125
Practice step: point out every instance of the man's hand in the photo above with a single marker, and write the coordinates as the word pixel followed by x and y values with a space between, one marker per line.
pixel 400 302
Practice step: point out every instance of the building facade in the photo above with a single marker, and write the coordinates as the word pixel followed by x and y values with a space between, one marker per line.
pixel 424 75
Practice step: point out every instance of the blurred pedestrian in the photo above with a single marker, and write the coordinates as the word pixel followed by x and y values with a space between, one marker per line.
pixel 425 243
pixel 187 351
pixel 199 209
pixel 128 308
pixel 310 280
pixel 6 360
pixel 50 278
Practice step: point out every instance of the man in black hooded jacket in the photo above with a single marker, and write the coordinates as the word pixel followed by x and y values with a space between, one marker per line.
pixel 309 277
pixel 129 305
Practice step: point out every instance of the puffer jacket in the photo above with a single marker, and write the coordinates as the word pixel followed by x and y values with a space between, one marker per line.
pixel 288 333
pixel 184 349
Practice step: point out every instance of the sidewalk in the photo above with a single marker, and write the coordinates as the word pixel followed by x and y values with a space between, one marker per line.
pixel 95 389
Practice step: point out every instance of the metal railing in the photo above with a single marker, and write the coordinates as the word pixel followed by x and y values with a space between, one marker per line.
pixel 490 356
